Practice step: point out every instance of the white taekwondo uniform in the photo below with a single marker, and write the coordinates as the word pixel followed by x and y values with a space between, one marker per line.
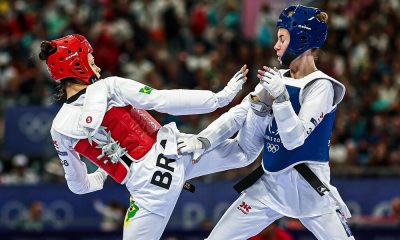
pixel 107 123
pixel 302 124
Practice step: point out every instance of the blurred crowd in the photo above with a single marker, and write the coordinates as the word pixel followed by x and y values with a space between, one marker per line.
pixel 200 45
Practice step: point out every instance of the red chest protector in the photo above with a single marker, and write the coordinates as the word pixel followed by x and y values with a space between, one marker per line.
pixel 135 130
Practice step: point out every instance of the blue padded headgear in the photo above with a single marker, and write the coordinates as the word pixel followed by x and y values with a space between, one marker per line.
pixel 306 31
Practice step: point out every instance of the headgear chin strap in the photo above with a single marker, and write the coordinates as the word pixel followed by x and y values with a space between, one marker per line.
pixel 71 59
pixel 306 31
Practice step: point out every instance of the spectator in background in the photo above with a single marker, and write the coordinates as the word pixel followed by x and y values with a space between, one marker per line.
pixel 113 215
pixel 34 220
pixel 1 172
pixel 20 172
pixel 109 34
pixel 387 92
pixel 7 73
pixel 396 209
pixel 231 20
pixel 136 67
pixel 53 172
pixel 198 60
pixel 265 26
pixel 173 18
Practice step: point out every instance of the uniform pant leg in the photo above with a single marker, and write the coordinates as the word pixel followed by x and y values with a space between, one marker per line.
pixel 245 218
pixel 141 224
pixel 331 226
pixel 228 155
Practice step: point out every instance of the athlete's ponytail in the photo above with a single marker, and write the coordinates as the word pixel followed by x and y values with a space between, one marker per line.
pixel 46 49
pixel 322 16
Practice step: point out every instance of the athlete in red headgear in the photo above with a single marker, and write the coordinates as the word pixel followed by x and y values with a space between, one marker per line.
pixel 106 121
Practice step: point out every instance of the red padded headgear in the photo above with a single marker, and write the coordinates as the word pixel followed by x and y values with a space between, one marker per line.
pixel 71 59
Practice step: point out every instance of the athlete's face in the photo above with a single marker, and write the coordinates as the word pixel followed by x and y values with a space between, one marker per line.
pixel 282 43
pixel 93 66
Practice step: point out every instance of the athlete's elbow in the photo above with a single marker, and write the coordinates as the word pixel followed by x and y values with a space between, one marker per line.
pixel 293 137
pixel 76 191
pixel 79 190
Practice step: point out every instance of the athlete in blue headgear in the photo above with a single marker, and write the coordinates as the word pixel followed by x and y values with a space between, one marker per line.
pixel 291 119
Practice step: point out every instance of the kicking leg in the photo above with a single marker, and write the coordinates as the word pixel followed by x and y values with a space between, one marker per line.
pixel 228 155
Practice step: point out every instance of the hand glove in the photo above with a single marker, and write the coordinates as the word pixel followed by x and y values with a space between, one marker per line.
pixel 226 95
pixel 260 101
pixel 272 81
pixel 195 145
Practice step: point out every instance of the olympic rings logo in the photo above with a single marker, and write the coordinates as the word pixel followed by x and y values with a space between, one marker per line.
pixel 35 127
pixel 272 147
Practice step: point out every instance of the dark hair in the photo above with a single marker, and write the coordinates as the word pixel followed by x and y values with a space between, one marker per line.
pixel 316 53
pixel 322 16
pixel 61 86
pixel 47 49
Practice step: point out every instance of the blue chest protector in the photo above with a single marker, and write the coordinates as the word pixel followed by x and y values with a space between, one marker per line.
pixel 315 148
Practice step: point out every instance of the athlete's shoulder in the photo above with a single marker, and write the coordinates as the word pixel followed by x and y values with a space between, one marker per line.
pixel 66 122
pixel 115 83
pixel 322 75
pixel 110 79
pixel 338 87
pixel 321 79
pixel 113 79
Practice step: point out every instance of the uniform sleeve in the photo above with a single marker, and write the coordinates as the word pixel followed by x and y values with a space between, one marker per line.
pixel 174 102
pixel 317 102
pixel 226 125
pixel 78 179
